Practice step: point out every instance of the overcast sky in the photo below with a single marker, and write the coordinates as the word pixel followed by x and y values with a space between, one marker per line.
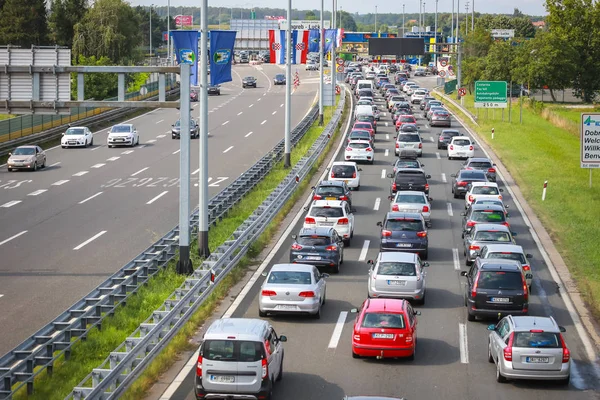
pixel 530 7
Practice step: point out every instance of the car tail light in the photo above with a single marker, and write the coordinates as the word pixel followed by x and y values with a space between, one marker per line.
pixel 395 207
pixel 427 186
pixel 471 223
pixel 343 221
pixel 473 247
pixel 506 224
pixel 199 366
pixel 348 148
pixel 386 233
pixel 354 174
pixel 394 186
pixel 296 246
pixel 461 184
pixel 471 199
pixel 474 288
pixel 508 348
pixel 420 145
pixel 422 234
pixel 397 145
pixel 332 175
pixel 526 267
pixel 566 353
pixel 425 208
pixel 408 339
pixel 308 293
pixel 471 148
pixel 265 368
pixel 331 248
pixel 441 139
pixel 368 149
pixel 309 220
pixel 317 197
pixel 268 293
pixel 451 147
pixel 525 290
pixel 344 198
pixel 492 170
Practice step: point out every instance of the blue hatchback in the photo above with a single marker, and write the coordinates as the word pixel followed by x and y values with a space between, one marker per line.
pixel 405 232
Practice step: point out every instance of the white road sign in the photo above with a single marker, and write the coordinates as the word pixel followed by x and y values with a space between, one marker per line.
pixel 503 33
pixel 590 140
pixel 304 24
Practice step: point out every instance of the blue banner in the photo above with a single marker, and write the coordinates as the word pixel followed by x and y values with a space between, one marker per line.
pixel 186 42
pixel 221 56
pixel 313 40
pixel 330 35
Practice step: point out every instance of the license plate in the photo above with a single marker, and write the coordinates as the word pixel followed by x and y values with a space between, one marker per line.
pixel 537 360
pixel 529 276
pixel 314 258
pixel 500 299
pixel 460 153
pixel 396 283
pixel 223 378
pixel 383 336
pixel 326 224
pixel 403 245
pixel 330 198
pixel 286 307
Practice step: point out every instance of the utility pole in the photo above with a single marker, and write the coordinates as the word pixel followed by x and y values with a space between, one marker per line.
pixel 203 250
pixel 150 46
pixel 321 72
pixel 473 16
pixel 466 18
pixel 288 87
pixel 169 32
pixel 452 23
pixel 184 266
pixel 420 17
pixel 403 25
pixel 435 35
pixel 333 56
pixel 457 20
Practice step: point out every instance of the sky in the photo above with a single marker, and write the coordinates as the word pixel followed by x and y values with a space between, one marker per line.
pixel 530 7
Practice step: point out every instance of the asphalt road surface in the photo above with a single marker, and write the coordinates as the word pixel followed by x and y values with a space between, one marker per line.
pixel 68 227
pixel 451 356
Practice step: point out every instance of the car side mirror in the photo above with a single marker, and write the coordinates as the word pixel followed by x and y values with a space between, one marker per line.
pixel 506 206
pixel 493 165
pixel 360 169
pixel 430 199
pixel 283 338
pixel 428 176
pixel 173 125
pixel 453 175
pixel 501 190
pixel 514 233
pixel 562 329
pixel 63 134
pixel 324 275
pixel 354 310
pixel 425 264
pixel 463 273
pixel 422 165
pixel 463 214
pixel 476 254
pixel 294 237
pixel 417 312
pixel 491 327
pixel 390 198
pixel 312 187
pixel 390 175
pixel 264 274
pixel 379 223
pixel 306 208
pixel 370 262
pixel 529 256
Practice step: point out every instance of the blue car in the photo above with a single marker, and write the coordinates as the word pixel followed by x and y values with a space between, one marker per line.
pixel 279 79
pixel 321 247
pixel 406 232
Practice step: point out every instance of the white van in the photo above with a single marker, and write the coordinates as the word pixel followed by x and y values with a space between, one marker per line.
pixel 364 84
pixel 363 110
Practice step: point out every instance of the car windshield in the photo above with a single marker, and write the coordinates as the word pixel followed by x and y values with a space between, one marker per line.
pixel 120 129
pixel 383 320
pixel 330 190
pixel 313 240
pixel 488 216
pixel 249 78
pixel 508 256
pixel 492 236
pixel 24 151
pixel 486 190
pixel 326 211
pixel 290 277
pixel 537 340
pixel 344 171
pixel 410 225
pixel 472 175
pixel 480 164
pixel 499 280
pixel 410 198
pixel 280 76
pixel 178 123
pixel 409 138
pixel 461 142
pixel 75 131
pixel 232 350
pixel 396 268
pixel 359 145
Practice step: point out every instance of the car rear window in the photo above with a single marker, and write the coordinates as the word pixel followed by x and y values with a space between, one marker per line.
pixel 489 202
pixel 480 164
pixel 499 280
pixel 408 128
pixel 359 145
pixel 537 340
pixel 462 142
pixel 290 277
pixel 314 240
pixel 417 178
pixel 410 225
pixel 409 138
pixel 489 190
pixel 329 212
pixel 492 236
pixel 410 198
pixel 344 171
pixel 472 175
pixel 508 256
pixel 330 190
pixel 363 126
pixel 488 216
pixel 383 320
pixel 407 164
pixel 407 119
pixel 232 350
pixel 396 268
pixel 440 113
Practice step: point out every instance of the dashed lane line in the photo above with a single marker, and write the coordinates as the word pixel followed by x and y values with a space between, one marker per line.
pixel 383 171
pixel 89 198
pixel 444 178
pixel 80 173
pixel 364 250
pixel 37 192
pixel 140 171
pixel 377 203
pixel 227 149
pixel 10 204
pixel 12 237
pixel 337 331
pixel 157 197
pixel 62 182
pixel 90 240
pixel 450 212
pixel 455 259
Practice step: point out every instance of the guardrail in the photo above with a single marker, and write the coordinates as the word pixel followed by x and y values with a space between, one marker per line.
pixel 125 364
pixel 41 350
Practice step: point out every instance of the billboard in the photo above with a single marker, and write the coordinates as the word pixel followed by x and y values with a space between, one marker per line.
pixel 503 33
pixel 184 20
pixel 396 47
pixel 304 24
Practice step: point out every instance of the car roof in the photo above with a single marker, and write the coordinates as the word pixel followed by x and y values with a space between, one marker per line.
pixel 527 323
pixel 491 227
pixel 242 328
pixel 130 125
pixel 410 170
pixel 471 171
pixel 331 183
pixel 77 127
pixel 292 267
pixel 509 248
pixel 477 159
pixel 397 256
pixel 27 146
pixel 394 305
pixel 461 137
pixel 400 214
pixel 499 264
pixel 321 231
pixel 495 207
pixel 413 192
pixel 494 184
pixel 330 203
pixel 344 163
pixel 371 398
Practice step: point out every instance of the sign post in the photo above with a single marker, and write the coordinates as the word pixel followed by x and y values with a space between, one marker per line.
pixel 491 94
pixel 590 142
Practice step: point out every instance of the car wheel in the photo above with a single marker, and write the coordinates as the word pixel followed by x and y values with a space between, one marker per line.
pixel 422 301
pixel 324 297
pixel 44 164
pixel 34 168
pixel 490 358
pixel 468 263
pixel 425 255
pixel 470 317
pixel 336 268
pixel 347 242
pixel 262 314
pixel 565 381
pixel 109 146
pixel 92 141
pixel 10 169
pixel 499 377
pixel 358 188
pixel 342 257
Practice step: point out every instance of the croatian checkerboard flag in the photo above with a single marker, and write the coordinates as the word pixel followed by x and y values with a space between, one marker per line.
pixel 299 46
pixel 277 46
pixel 339 36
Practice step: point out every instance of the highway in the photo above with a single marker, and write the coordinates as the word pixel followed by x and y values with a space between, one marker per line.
pixel 451 356
pixel 68 227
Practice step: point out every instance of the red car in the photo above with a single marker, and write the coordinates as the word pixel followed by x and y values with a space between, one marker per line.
pixel 405 119
pixel 385 328
pixel 364 126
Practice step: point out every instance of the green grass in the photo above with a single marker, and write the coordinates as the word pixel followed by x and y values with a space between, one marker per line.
pixel 90 353
pixel 538 150
pixel 6 116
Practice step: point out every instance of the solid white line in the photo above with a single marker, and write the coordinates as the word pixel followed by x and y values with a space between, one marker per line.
pixel 262 123
pixel 444 177
pixel 158 197
pixel 363 252
pixel 151 140
pixel 240 113
pixel 227 149
pixel 96 236
pixel 377 203
pixel 387 152
pixel 248 134
pixel 274 112
pixel 225 123
pixel 115 158
pixel 55 164
pixel 160 136
pixel 450 212
pixel 250 105
pixel 158 122
pixel 383 174
pixel 281 105
pixel 437 155
pixel 98 166
pixel 464 345
pixel 12 237
pixel 176 151
pixel 91 197
pixel 140 171
pixel 455 259
pixel 10 203
pixel 127 152
pixel 58 183
pixel 337 331
pixel 387 136
pixel 80 173
pixel 37 192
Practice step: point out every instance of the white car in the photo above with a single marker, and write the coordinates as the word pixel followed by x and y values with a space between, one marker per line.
pixel 482 191
pixel 411 89
pixel 123 135
pixel 359 150
pixel 367 98
pixel 376 112
pixel 363 101
pixel 418 96
pixel 77 136
pixel 461 147
pixel 346 171
pixel 509 252
pixel 371 75
pixel 332 213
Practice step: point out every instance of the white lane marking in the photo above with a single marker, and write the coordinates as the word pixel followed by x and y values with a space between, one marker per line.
pixel 176 151
pixel 157 197
pixel 158 122
pixel 98 165
pixel 450 212
pixel 259 99
pixel 37 192
pixel 264 122
pixel 383 174
pixel 196 171
pixel 225 123
pixel 160 136
pixel 151 140
pixel 386 124
pixel 444 177
pixel 58 183
pixel 91 197
pixel 95 148
pixel 115 158
pixel 264 94
pixel 387 136
pixel 96 236
pixel 274 112
pixel 455 259
pixel 384 114
pixel 363 252
pixel 250 106
pixel 1 295
pixel 12 237
pixel 227 149
pixel 167 132
pixel 219 180
pixel 140 171
pixel 437 155
pixel 210 179
pixel 10 203
pixel 142 146
pixel 464 345
pixel 281 105
pixel 337 331
pixel 55 164
pixel 426 126
pixel 80 173
pixel 240 113
pixel 387 152
pixel 377 203
pixel 248 134
pixel 8 183
pixel 431 138
pixel 127 152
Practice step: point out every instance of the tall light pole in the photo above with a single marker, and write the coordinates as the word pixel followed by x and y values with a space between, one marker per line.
pixel 169 32
pixel 203 250
pixel 321 72
pixel 420 16
pixel 288 87
pixel 375 19
pixel 473 16
pixel 457 20
pixel 466 18
pixel 150 45
pixel 452 23
pixel 403 25
pixel 435 35
pixel 333 56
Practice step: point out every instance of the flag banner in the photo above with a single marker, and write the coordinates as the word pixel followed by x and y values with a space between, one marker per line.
pixel 221 56
pixel 340 36
pixel 186 42
pixel 313 40
pixel 277 46
pixel 299 46
pixel 329 40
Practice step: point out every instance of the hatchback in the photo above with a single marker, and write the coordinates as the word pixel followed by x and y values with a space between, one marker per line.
pixel 331 213
pixel 403 231
pixel 485 234
pixel 461 147
pixel 483 214
pixel 364 126
pixel 359 151
pixel 482 164
pixel 445 137
pixel 405 119
pixel 346 171
pixel 441 118
pixel 409 141
pixel 322 247
pixel 412 202
pixel 482 191
pixel 509 252
pixel 462 180
pixel 409 179
pixel 77 136
pixel 397 275
pixel 332 190
pixel 360 134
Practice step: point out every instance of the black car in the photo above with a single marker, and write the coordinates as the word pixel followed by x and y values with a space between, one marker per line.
pixel 249 81
pixel 462 179
pixel 321 247
pixel 483 214
pixel 482 164
pixel 176 129
pixel 214 89
pixel 406 232
pixel 445 137
pixel 279 79
pixel 332 190
pixel 495 288
pixel 193 95
pixel 409 179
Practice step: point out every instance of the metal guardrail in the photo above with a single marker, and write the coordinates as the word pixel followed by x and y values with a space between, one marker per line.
pixel 125 364
pixel 41 350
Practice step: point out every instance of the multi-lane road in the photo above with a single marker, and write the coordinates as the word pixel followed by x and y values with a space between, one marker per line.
pixel 68 227
pixel 451 356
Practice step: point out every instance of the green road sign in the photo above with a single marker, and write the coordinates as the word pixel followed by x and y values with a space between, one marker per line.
pixel 450 86
pixel 490 94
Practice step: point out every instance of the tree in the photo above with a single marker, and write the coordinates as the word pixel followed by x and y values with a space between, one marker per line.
pixel 310 15
pixel 64 14
pixel 96 86
pixel 347 21
pixel 499 61
pixel 159 25
pixel 23 23
pixel 476 46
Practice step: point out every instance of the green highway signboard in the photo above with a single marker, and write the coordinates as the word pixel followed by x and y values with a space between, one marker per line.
pixel 491 94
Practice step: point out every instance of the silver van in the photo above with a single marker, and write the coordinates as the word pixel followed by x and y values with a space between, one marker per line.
pixel 240 359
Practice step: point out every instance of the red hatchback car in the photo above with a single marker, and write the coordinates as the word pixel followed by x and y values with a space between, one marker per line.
pixel 385 328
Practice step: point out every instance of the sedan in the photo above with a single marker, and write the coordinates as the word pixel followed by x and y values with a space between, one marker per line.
pixel 26 157
pixel 359 151
pixel 249 81
pixel 176 129
pixel 318 246
pixel 397 275
pixel 441 118
pixel 279 79
pixel 482 164
pixel 462 180
pixel 484 234
pixel 292 289
pixel 79 136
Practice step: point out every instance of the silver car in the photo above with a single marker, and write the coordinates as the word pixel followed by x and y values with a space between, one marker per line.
pixel 441 118
pixel 524 347
pixel 291 289
pixel 412 202
pixel 484 234
pixel 26 157
pixel 397 275
pixel 409 141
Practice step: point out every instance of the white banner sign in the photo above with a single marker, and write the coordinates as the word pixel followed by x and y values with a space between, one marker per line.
pixel 503 33
pixel 304 24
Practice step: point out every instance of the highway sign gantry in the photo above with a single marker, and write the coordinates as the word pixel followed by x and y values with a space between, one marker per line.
pixel 590 140
pixel 491 94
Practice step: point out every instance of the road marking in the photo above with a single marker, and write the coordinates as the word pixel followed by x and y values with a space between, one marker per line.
pixel 142 146
pixel 91 197
pixel 17 184
pixel 209 179
pixel 158 122
pixel 127 152
pixel 444 177
pixel 264 122
pixel 196 171
pixel 431 138
pixel 264 94
pixel 219 180
pixel 363 252
pixel 281 105
pixel 161 136
pixel 167 132
pixel 81 173
pixel 387 136
pixel 250 105
pixel 377 202
pixel 176 151
pixel 227 149
pixel 383 174
pixel 151 140
pixel 240 113
pixel 98 165
pixel 96 236
pixel 450 212
pixel 426 126
pixel 1 295
pixel 10 203
pixel 115 158
pixel 140 171
pixel 248 134
pixel 12 237
pixel 58 183
pixel 95 148
pixel 55 164
pixel 386 124
pixel 455 259
pixel 387 152
pixel 384 114
pixel 274 112
pixel 37 192
pixel 337 331
pixel 464 346
pixel 225 123
pixel 157 197
pixel 437 155
pixel 259 99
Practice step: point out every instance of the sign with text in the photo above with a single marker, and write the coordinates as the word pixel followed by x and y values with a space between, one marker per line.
pixel 491 94
pixel 590 140
pixel 184 20
pixel 503 33
pixel 304 24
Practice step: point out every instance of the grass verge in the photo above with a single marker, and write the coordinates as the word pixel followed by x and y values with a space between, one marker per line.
pixel 536 151
pixel 88 354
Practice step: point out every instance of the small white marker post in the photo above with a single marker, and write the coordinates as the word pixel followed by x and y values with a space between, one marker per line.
pixel 544 190
pixel 493 130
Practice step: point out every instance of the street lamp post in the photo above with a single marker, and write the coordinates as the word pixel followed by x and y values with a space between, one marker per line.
pixel 435 34
pixel 473 16
pixel 150 45
pixel 321 59
pixel 288 88
pixel 452 22
pixel 466 18
pixel 203 249
pixel 457 20
pixel 375 19
pixel 403 26
pixel 169 32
